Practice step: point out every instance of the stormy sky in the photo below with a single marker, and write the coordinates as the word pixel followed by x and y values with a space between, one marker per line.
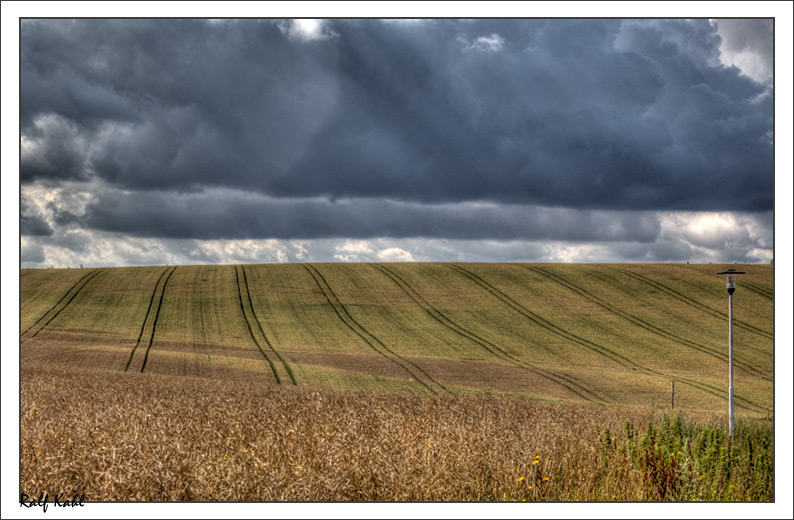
pixel 183 141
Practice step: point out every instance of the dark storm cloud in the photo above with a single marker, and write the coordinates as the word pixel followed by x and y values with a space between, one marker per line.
pixel 178 103
pixel 31 254
pixel 34 226
pixel 596 114
pixel 424 115
pixel 31 222
pixel 720 121
pixel 53 149
pixel 214 215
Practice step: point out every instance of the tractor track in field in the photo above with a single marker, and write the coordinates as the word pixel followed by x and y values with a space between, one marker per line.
pixel 748 285
pixel 56 309
pixel 709 389
pixel 250 329
pixel 710 351
pixel 146 317
pixel 696 304
pixel 625 363
pixel 152 315
pixel 489 346
pixel 156 317
pixel 758 290
pixel 343 314
pixel 547 325
pixel 253 317
pixel 703 387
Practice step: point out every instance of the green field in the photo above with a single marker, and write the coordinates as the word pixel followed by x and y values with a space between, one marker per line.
pixel 612 334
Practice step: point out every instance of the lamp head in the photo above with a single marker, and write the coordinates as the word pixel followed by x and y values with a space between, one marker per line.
pixel 731 279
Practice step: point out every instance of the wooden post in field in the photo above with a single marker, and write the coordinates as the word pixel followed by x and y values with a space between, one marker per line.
pixel 673 398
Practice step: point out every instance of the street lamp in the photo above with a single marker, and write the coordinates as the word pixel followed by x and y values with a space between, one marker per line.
pixel 731 286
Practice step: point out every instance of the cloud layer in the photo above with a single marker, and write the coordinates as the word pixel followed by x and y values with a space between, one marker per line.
pixel 573 131
pixel 245 216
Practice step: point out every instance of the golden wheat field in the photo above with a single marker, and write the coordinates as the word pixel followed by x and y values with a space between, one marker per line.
pixel 406 382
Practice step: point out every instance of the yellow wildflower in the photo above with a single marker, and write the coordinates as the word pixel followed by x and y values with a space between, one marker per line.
pixel 535 462
pixel 521 479
pixel 545 479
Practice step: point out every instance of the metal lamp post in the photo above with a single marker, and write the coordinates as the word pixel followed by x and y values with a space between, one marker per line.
pixel 731 286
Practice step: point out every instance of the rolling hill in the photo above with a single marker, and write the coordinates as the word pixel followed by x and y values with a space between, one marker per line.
pixel 612 334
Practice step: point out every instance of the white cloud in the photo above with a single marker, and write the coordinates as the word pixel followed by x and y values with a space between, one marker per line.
pixel 355 246
pixel 714 230
pixel 724 231
pixel 747 44
pixel 305 29
pixel 762 255
pixel 354 251
pixel 492 43
pixel 684 237
pixel 395 254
